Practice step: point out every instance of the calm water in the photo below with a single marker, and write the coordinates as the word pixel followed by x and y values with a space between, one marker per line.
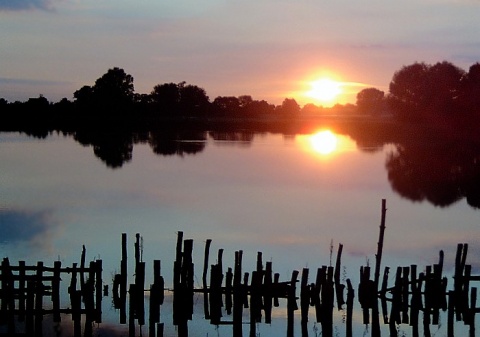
pixel 288 196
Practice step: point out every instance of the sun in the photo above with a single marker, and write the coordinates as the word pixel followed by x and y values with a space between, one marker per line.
pixel 323 142
pixel 324 90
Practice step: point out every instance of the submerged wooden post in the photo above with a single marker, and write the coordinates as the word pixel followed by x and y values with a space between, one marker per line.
pixel 56 291
pixel 472 311
pixel 291 302
pixel 378 263
pixel 378 257
pixel 204 279
pixel 8 300
pixel 139 292
pixel 267 292
pixel 415 302
pixel 460 294
pixel 228 291
pixel 304 301
pixel 327 294
pixel 98 291
pixel 350 297
pixel 22 290
pixel 338 286
pixel 237 295
pixel 123 281
pixel 451 314
pixel 156 297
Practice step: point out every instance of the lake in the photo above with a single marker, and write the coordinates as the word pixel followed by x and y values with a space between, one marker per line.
pixel 292 196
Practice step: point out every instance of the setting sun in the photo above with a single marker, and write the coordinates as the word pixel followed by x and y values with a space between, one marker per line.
pixel 324 90
pixel 323 142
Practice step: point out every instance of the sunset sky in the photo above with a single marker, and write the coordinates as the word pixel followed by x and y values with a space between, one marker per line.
pixel 270 49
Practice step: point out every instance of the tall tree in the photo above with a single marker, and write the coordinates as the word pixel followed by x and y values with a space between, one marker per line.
pixel 408 90
pixel 114 89
pixel 371 101
pixel 166 97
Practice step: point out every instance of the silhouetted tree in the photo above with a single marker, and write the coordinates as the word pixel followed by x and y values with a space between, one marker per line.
pixel 408 90
pixel 165 97
pixel 257 108
pixel 289 106
pixel 193 99
pixel 179 98
pixel 84 97
pixel 111 94
pixel 229 105
pixel 424 92
pixel 444 84
pixel 245 101
pixel 114 90
pixel 371 101
pixel 470 97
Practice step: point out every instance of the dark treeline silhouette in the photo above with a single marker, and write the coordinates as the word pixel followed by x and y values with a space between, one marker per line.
pixel 112 102
pixel 436 94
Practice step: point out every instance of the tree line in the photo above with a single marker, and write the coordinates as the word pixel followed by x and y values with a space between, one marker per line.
pixel 112 96
pixel 418 92
pixel 427 93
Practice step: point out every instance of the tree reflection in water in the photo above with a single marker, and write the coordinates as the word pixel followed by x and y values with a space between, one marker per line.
pixel 435 165
pixel 441 173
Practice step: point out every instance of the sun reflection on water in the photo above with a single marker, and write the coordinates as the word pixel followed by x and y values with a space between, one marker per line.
pixel 325 143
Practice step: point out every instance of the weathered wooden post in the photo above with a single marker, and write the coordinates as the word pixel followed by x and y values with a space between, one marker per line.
pixel 82 266
pixel 123 281
pixel 228 291
pixel 460 295
pixel 365 293
pixel 350 297
pixel 405 293
pixel 215 294
pixel 451 314
pixel 8 299
pixel 156 298
pixel 204 279
pixel 472 311
pixel 56 291
pixel 291 302
pixel 327 295
pixel 396 303
pixel 267 292
pixel 22 290
pixel 378 263
pixel 276 279
pixel 415 302
pixel 98 291
pixel 305 295
pixel 319 281
pixel 131 310
pixel 383 293
pixel 338 286
pixel 237 295
pixel 139 292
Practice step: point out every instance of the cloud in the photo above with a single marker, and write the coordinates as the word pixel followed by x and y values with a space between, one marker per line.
pixel 30 82
pixel 18 5
pixel 31 227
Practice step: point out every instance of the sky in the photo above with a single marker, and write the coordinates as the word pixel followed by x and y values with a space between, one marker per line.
pixel 269 49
